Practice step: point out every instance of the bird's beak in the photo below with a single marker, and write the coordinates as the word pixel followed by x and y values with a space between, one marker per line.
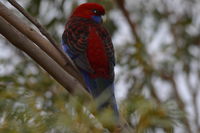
pixel 104 18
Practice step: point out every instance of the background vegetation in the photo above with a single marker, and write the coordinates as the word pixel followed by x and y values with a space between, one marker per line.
pixel 158 70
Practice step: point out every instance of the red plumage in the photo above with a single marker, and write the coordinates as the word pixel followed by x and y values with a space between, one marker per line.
pixel 84 10
pixel 97 55
pixel 91 41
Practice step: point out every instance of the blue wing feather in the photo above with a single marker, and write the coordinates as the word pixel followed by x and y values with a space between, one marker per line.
pixel 68 51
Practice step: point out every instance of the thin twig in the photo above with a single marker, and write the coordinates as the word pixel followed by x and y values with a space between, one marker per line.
pixel 171 79
pixel 121 4
pixel 179 101
pixel 194 93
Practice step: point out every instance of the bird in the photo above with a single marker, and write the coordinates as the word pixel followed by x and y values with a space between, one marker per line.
pixel 88 43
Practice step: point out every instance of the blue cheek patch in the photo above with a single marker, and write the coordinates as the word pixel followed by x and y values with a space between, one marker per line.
pixel 97 19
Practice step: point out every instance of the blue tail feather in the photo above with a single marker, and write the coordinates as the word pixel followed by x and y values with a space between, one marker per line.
pixel 103 91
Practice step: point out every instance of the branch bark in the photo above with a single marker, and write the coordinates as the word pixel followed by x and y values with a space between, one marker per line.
pixel 35 22
pixel 43 31
pixel 41 42
pixel 23 43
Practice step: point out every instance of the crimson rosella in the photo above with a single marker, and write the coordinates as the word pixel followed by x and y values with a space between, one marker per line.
pixel 89 45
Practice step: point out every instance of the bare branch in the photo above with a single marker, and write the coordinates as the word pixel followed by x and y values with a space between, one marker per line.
pixel 121 4
pixel 39 26
pixel 23 43
pixel 41 42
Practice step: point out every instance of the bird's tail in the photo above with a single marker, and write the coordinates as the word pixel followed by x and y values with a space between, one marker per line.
pixel 107 99
pixel 103 92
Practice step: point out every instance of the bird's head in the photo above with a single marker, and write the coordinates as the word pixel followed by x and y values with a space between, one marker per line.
pixel 92 11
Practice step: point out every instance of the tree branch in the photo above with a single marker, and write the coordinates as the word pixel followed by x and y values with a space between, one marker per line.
pixel 40 27
pixel 121 4
pixel 23 43
pixel 41 42
pixel 34 21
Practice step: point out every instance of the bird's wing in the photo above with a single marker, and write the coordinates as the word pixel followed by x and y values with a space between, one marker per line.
pixel 75 42
pixel 108 44
pixel 108 48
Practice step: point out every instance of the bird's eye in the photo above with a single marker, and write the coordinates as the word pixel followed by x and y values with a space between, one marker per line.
pixel 95 11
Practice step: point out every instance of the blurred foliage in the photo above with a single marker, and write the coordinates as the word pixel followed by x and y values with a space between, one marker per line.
pixel 30 100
